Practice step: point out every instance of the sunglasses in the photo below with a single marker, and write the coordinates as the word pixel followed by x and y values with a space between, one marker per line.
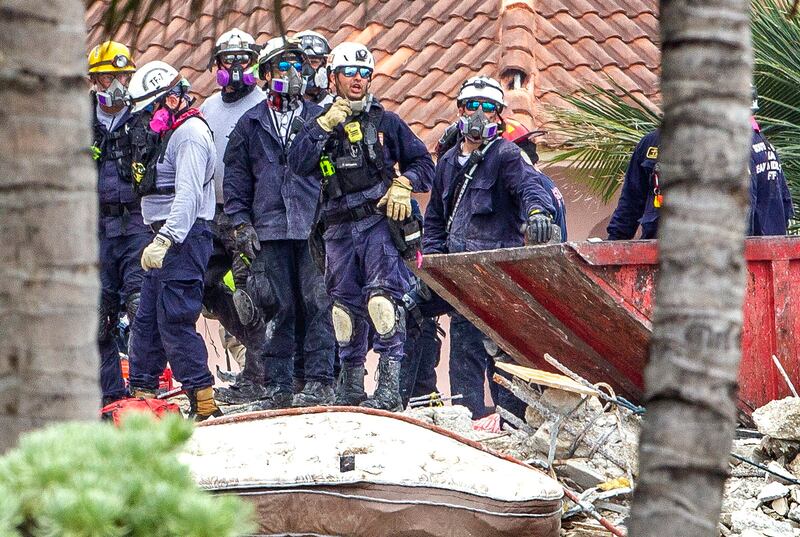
pixel 350 72
pixel 108 78
pixel 285 65
pixel 474 105
pixel 235 58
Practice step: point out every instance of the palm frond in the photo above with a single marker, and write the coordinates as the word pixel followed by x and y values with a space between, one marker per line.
pixel 599 133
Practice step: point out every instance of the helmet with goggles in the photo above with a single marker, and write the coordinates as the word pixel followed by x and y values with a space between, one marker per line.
pixel 313 43
pixel 481 88
pixel 233 52
pixel 153 81
pixel 349 54
pixel 110 57
pixel 282 53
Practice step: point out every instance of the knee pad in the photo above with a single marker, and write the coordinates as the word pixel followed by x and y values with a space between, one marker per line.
pixel 386 317
pixel 132 306
pixel 342 323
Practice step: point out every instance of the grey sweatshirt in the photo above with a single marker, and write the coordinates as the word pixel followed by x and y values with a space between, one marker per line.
pixel 189 166
pixel 222 118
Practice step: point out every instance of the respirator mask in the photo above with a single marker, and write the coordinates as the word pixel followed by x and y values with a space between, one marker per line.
pixel 115 94
pixel 235 75
pixel 477 126
pixel 292 85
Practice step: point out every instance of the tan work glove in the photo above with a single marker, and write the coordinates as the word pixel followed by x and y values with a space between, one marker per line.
pixel 336 114
pixel 153 254
pixel 397 199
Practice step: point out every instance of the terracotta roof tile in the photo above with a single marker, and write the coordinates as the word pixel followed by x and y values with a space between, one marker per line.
pixel 425 49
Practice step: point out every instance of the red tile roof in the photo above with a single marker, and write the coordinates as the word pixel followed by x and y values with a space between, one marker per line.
pixel 425 49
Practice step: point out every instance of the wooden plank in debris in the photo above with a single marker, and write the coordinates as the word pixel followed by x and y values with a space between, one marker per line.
pixel 545 378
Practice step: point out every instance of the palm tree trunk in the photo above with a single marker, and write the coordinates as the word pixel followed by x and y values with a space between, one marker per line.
pixel 695 350
pixel 48 245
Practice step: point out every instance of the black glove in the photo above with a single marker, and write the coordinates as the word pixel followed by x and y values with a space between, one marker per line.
pixel 539 227
pixel 247 241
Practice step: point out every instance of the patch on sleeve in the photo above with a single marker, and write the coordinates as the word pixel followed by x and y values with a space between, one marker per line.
pixel 652 152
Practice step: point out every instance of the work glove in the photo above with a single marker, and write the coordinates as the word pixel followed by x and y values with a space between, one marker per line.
pixel 247 242
pixel 397 199
pixel 337 113
pixel 539 227
pixel 153 254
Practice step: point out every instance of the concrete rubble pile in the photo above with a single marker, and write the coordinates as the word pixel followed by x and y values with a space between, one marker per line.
pixel 757 502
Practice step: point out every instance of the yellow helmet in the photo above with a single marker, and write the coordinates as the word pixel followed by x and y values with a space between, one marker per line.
pixel 111 57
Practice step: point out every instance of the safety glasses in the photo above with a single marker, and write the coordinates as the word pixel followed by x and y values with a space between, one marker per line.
pixel 313 45
pixel 350 72
pixel 285 65
pixel 473 105
pixel 230 59
pixel 108 78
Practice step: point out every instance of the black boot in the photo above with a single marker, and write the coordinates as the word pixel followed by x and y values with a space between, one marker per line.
pixel 387 394
pixel 350 386
pixel 201 404
pixel 276 398
pixel 314 394
pixel 244 391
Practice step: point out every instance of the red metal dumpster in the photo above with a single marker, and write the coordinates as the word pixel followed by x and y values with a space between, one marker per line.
pixel 590 304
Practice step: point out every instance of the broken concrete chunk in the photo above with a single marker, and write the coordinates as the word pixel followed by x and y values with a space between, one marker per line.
pixel 794 513
pixel 780 506
pixel 773 491
pixel 743 520
pixel 778 469
pixel 581 473
pixel 779 419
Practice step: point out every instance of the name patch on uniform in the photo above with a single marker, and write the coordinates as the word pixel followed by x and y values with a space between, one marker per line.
pixel 652 152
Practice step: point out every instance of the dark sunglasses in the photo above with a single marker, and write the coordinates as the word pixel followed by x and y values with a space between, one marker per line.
pixel 474 105
pixel 285 65
pixel 350 72
pixel 235 58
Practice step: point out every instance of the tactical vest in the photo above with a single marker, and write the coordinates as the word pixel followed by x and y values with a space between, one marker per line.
pixel 148 149
pixel 352 160
pixel 114 145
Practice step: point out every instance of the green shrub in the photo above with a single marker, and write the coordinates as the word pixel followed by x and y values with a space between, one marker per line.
pixel 95 480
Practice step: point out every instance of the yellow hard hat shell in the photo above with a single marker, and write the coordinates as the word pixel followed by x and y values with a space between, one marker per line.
pixel 111 57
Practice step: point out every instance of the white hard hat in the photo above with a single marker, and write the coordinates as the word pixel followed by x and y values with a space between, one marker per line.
pixel 482 87
pixel 274 48
pixel 235 40
pixel 350 54
pixel 313 43
pixel 152 81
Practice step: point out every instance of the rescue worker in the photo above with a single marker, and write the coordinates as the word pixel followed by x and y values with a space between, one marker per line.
pixel 315 70
pixel 517 133
pixel 234 54
pixel 272 211
pixel 352 149
pixel 179 206
pixel 484 194
pixel 121 232
pixel 770 201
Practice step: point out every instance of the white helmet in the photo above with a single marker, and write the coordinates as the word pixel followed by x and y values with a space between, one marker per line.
pixel 481 87
pixel 313 43
pixel 350 54
pixel 152 81
pixel 274 48
pixel 235 41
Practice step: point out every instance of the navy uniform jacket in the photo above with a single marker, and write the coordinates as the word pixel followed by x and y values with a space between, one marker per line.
pixel 770 201
pixel 113 190
pixel 560 215
pixel 401 147
pixel 259 187
pixel 494 208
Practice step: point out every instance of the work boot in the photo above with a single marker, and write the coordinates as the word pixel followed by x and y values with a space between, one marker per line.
pixel 244 391
pixel 350 386
pixel 387 394
pixel 276 399
pixel 201 404
pixel 314 394
pixel 143 393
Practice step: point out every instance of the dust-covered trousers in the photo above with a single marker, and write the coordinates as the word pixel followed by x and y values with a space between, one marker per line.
pixel 302 323
pixel 361 263
pixel 121 277
pixel 165 326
